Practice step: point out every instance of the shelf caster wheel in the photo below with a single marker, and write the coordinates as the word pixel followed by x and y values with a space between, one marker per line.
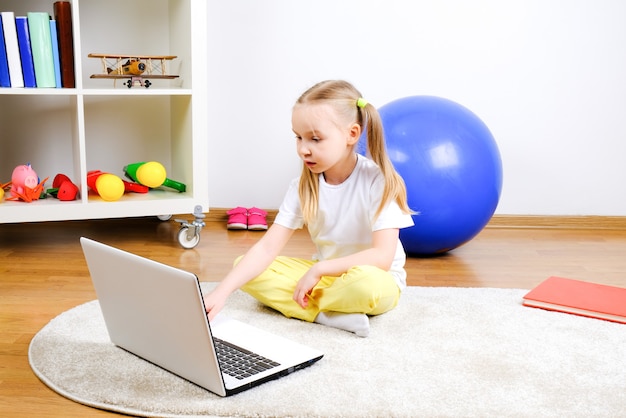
pixel 147 83
pixel 164 217
pixel 188 237
pixel 189 234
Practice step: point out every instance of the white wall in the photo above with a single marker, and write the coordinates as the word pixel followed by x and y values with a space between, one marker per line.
pixel 547 77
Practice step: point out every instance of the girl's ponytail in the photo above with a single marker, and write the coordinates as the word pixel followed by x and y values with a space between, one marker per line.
pixel 395 189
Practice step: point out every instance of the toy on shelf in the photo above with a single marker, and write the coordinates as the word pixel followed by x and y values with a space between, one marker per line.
pixel 152 174
pixel 109 186
pixel 2 187
pixel 135 68
pixel 135 187
pixel 25 184
pixel 63 188
pixel 23 176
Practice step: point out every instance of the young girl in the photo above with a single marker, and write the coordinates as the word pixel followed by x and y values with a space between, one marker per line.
pixel 353 208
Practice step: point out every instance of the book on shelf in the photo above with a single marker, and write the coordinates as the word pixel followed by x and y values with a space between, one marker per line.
pixel 41 43
pixel 12 49
pixel 55 53
pixel 63 17
pixel 5 79
pixel 580 298
pixel 26 53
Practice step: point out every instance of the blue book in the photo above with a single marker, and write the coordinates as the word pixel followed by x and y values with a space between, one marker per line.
pixel 55 53
pixel 26 53
pixel 5 80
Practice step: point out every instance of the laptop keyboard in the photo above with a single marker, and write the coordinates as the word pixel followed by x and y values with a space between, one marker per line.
pixel 240 363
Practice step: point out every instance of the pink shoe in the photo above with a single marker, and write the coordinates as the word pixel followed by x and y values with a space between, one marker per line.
pixel 257 219
pixel 237 218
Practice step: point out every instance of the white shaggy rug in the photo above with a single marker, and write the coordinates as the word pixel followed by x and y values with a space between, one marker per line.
pixel 443 352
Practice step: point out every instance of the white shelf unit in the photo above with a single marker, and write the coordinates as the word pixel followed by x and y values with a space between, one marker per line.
pixel 101 126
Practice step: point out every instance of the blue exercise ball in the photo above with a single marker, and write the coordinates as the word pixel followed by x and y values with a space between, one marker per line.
pixel 452 168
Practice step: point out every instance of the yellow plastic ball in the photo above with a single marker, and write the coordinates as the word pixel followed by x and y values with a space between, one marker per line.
pixel 151 174
pixel 1 193
pixel 110 187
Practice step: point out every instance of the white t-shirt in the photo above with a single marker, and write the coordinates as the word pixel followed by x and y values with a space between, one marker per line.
pixel 345 218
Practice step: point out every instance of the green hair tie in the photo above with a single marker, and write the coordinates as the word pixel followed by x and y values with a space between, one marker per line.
pixel 361 102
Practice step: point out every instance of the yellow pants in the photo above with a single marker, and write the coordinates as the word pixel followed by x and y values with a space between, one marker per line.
pixel 362 289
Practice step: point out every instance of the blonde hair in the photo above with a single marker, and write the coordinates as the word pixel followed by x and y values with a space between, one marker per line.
pixel 343 98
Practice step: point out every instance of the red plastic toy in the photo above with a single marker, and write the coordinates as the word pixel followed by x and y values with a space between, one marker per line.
pixel 110 187
pixel 63 188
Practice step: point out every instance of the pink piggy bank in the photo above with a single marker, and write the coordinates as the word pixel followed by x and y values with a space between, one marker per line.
pixel 23 176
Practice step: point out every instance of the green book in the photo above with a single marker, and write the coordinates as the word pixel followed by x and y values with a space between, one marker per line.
pixel 41 44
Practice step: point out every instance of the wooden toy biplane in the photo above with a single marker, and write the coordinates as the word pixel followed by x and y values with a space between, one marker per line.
pixel 135 69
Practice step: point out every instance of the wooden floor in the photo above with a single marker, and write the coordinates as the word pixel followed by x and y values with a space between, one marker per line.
pixel 42 274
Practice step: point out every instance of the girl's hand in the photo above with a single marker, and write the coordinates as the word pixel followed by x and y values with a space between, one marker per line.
pixel 304 287
pixel 253 263
pixel 214 302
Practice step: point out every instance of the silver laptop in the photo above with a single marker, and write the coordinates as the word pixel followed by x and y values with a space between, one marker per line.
pixel 157 313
